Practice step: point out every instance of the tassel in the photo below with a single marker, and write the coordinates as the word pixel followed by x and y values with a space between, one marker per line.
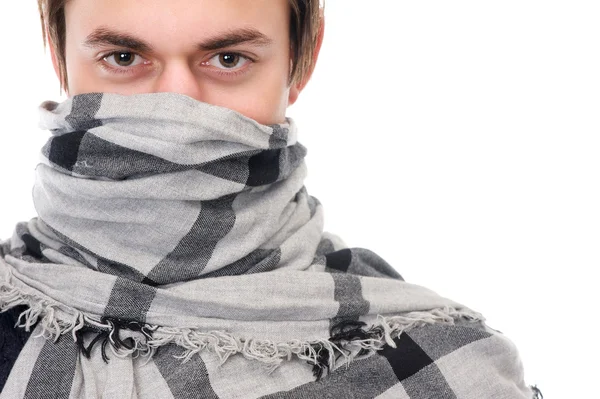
pixel 344 331
pixel 111 335
pixel 537 394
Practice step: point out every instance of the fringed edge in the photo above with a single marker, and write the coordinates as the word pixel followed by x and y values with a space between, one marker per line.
pixel 41 310
pixel 348 339
pixel 537 394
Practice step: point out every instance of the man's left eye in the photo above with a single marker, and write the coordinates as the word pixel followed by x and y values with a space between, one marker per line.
pixel 228 60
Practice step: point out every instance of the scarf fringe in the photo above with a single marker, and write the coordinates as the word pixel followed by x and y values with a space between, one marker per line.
pixel 348 339
pixel 537 394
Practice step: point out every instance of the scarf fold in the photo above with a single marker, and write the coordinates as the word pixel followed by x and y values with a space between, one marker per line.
pixel 164 222
pixel 141 185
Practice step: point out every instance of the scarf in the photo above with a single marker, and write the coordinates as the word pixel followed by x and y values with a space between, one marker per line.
pixel 176 253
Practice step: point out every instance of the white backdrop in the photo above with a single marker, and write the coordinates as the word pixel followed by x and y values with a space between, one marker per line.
pixel 459 140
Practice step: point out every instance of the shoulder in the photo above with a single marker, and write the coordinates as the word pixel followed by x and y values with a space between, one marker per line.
pixel 471 360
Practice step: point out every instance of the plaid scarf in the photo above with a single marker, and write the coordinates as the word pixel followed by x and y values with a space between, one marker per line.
pixel 176 248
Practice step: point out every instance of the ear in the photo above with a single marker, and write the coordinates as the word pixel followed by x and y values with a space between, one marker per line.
pixel 54 59
pixel 296 88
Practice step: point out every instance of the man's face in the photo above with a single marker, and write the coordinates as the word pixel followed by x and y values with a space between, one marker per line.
pixel 231 53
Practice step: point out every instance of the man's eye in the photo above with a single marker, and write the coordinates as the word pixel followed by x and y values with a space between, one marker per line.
pixel 228 60
pixel 122 59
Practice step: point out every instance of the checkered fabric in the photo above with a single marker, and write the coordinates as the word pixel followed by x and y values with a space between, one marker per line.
pixel 177 254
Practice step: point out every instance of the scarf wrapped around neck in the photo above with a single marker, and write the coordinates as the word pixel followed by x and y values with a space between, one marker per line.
pixel 176 248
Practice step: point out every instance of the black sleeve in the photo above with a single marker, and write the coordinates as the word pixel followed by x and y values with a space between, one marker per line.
pixel 12 340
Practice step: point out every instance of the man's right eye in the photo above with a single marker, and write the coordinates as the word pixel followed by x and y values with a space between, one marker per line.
pixel 122 59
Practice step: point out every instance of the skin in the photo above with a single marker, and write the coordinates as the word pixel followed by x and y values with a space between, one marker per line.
pixel 246 77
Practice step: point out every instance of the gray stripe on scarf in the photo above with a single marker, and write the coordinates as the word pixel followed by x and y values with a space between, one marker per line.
pixel 233 167
pixel 363 378
pixel 428 337
pixel 72 253
pixel 279 136
pixel 129 300
pixel 268 165
pixel 290 158
pixel 325 246
pixel 312 201
pixel 429 379
pixel 63 150
pixel 187 380
pixel 360 262
pixel 257 261
pixel 105 165
pixel 367 263
pixel 237 167
pixel 18 245
pixel 348 292
pixel 103 265
pixel 215 220
pixel 54 369
pixel 83 111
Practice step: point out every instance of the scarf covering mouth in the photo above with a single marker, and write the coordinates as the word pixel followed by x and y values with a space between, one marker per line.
pixel 176 249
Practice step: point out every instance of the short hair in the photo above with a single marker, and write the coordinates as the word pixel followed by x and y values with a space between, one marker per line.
pixel 305 23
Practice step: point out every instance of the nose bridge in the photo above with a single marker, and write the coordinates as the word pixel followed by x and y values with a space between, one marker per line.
pixel 178 76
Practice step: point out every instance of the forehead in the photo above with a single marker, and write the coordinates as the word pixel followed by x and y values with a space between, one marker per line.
pixel 176 23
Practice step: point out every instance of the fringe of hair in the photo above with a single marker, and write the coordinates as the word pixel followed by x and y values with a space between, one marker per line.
pixel 348 338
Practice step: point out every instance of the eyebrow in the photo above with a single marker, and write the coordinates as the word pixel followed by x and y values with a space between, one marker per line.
pixel 103 36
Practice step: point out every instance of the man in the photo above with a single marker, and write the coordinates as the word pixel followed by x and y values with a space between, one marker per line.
pixel 176 249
